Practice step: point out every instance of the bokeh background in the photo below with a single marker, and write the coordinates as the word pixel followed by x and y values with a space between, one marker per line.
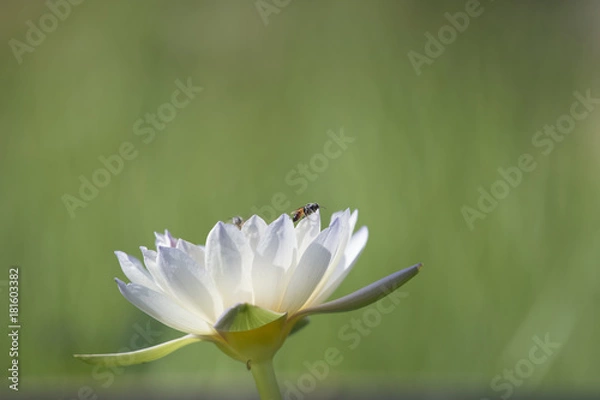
pixel 275 88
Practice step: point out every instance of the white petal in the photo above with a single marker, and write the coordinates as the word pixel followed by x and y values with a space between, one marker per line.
pixel 253 229
pixel 149 256
pixel 163 309
pixel 197 253
pixel 342 218
pixel 189 283
pixel 273 257
pixel 336 215
pixel 355 247
pixel 229 261
pixel 278 242
pixel 152 266
pixel 311 268
pixel 307 230
pixel 345 233
pixel 134 270
pixel 165 240
pixel 353 220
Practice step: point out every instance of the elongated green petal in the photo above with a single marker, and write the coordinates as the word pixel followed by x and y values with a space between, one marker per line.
pixel 365 296
pixel 138 356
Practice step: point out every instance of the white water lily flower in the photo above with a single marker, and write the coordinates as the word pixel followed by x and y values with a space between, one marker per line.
pixel 247 289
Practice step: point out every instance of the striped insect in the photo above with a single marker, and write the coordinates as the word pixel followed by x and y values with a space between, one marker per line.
pixel 305 211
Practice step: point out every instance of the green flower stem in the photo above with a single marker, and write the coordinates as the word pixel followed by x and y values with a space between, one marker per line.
pixel 266 383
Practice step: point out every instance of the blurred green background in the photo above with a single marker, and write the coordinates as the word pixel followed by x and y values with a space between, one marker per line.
pixel 423 144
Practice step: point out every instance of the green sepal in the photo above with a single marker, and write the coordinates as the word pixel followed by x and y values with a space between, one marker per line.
pixel 245 317
pixel 251 333
pixel 138 356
